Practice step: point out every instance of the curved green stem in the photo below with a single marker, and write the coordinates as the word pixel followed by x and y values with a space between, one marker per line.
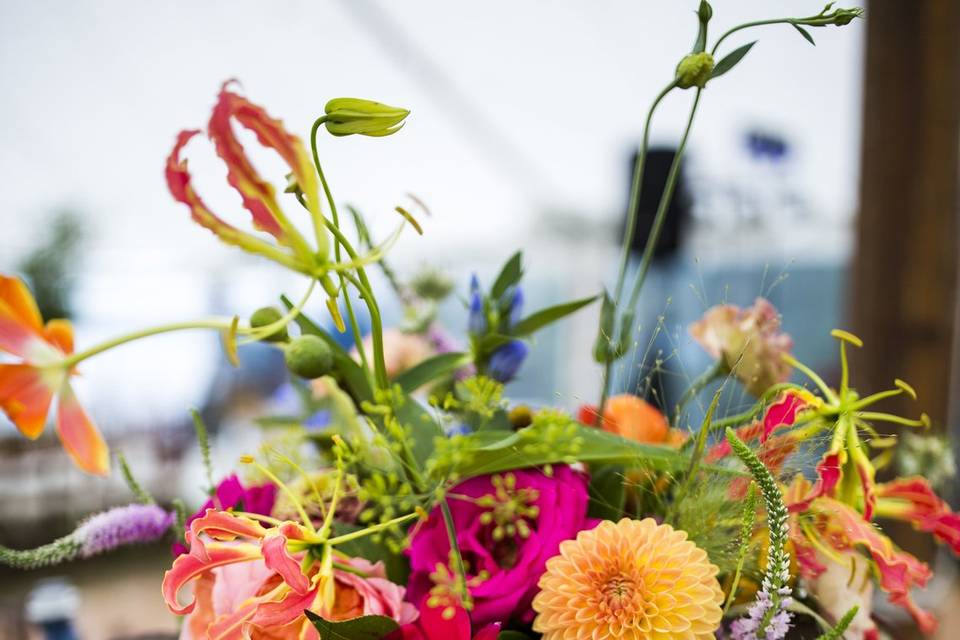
pixel 213 323
pixel 747 25
pixel 376 329
pixel 635 188
pixel 717 370
pixel 455 551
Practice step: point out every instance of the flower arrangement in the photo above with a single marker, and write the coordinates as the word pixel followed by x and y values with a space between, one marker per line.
pixel 427 505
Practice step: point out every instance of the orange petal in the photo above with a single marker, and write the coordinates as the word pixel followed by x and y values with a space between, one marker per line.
pixel 20 323
pixel 25 397
pixel 80 436
pixel 60 334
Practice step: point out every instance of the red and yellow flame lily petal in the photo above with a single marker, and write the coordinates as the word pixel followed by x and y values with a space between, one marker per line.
pixel 20 323
pixel 258 196
pixel 80 437
pixel 272 615
pixel 828 476
pixel 203 556
pixel 59 333
pixel 782 413
pixel 25 397
pixel 914 501
pixel 180 186
pixel 899 571
pixel 231 626
pixel 223 525
pixel 277 558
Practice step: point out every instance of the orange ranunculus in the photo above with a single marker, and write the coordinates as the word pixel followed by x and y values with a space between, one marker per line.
pixel 28 386
pixel 631 417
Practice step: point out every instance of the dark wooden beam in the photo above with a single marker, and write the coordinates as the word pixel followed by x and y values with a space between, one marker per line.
pixel 905 267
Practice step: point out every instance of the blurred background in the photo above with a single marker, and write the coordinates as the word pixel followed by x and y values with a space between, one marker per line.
pixel 824 179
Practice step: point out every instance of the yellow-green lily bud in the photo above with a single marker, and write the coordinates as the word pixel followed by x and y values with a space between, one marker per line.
pixel 266 316
pixel 694 70
pixel 348 116
pixel 308 357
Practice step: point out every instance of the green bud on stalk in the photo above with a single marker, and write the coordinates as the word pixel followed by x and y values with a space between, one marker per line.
pixel 308 357
pixel 348 116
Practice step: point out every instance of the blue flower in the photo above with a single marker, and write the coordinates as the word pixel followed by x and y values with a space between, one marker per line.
pixel 516 306
pixel 506 361
pixel 477 321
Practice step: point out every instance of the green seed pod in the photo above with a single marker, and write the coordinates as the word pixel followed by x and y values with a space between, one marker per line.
pixel 348 116
pixel 266 316
pixel 308 357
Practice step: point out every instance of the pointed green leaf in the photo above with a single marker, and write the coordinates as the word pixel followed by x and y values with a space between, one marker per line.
pixel 423 427
pixel 492 342
pixel 542 318
pixel 607 492
pixel 431 369
pixel 731 60
pixel 362 628
pixel 510 275
pixel 806 34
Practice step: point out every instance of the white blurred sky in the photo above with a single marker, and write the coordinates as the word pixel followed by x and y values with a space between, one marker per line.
pixel 94 93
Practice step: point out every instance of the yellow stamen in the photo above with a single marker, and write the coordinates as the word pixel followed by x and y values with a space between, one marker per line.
pixel 846 336
pixel 283 487
pixel 906 387
pixel 409 217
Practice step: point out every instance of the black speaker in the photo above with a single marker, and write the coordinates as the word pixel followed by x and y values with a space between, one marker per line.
pixel 654 180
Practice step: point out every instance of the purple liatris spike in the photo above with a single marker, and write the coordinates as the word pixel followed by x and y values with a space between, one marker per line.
pixel 506 361
pixel 761 614
pixel 120 526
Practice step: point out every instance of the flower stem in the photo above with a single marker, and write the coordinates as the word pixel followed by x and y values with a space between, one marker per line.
pixel 715 371
pixel 455 550
pixel 213 323
pixel 353 535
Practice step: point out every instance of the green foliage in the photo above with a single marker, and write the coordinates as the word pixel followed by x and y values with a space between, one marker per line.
pixel 50 267
pixel 542 318
pixel 748 521
pixel 431 369
pixel 362 628
pixel 141 494
pixel 713 521
pixel 203 439
pixel 374 549
pixel 837 632
pixel 508 277
pixel 607 492
pixel 731 60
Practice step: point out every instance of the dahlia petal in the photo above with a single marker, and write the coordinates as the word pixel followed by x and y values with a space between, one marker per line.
pixel 25 397
pixel 203 556
pixel 80 437
pixel 914 501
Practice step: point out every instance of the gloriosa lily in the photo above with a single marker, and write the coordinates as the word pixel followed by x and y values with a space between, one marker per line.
pixel 27 387
pixel 834 515
pixel 289 567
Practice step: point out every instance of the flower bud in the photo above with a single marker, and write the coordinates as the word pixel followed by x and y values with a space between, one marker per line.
pixel 516 306
pixel 431 284
pixel 694 70
pixel 476 320
pixel 705 11
pixel 347 116
pixel 266 316
pixel 507 360
pixel 309 357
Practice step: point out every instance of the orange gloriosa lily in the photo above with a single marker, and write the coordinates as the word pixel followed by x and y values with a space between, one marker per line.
pixel 27 387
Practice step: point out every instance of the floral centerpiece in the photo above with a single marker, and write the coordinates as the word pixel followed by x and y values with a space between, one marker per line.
pixel 428 505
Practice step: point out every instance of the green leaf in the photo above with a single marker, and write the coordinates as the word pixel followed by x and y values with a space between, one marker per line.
pixel 492 342
pixel 430 369
pixel 542 318
pixel 512 635
pixel 362 628
pixel 424 427
pixel 349 373
pixel 603 345
pixel 806 34
pixel 607 493
pixel 510 275
pixel 731 60
pixel 491 451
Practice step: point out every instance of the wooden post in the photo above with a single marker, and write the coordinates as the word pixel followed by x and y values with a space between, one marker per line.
pixel 905 269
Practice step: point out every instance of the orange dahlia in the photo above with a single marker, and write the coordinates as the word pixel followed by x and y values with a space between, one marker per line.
pixel 630 580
